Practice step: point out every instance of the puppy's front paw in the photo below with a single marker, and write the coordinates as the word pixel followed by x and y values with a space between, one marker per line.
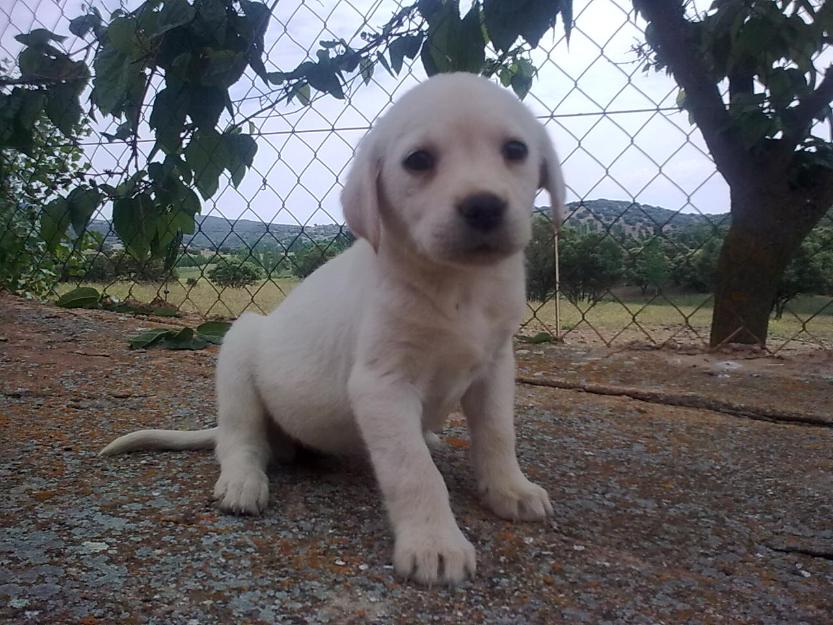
pixel 242 492
pixel 432 555
pixel 516 498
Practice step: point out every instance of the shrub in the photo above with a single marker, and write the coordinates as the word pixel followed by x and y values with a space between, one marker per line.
pixel 120 265
pixel 235 275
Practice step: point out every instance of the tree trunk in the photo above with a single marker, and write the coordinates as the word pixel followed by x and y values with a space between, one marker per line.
pixel 766 231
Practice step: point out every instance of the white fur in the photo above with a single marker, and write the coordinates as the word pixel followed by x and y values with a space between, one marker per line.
pixel 372 351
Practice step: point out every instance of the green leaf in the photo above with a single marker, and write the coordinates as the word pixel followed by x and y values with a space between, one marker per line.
pixel 113 74
pixel 213 14
pixel 82 297
pixel 54 221
pixel 252 29
pixel 207 157
pixel 366 69
pixel 567 18
pixel 18 115
pixel 241 150
pixel 397 50
pixel 222 68
pixel 172 253
pixel 530 19
pixel 454 44
pixel 123 132
pixel 213 331
pixel 32 62
pixel 148 338
pixel 323 77
pixel 168 228
pixel 522 77
pixel 276 78
pixel 168 116
pixel 184 339
pixel 134 220
pixel 63 108
pixel 257 19
pixel 205 106
pixel 470 52
pixel 384 63
pixel 174 163
pixel 174 13
pixel 348 61
pixel 537 339
pixel 301 91
pixel 38 37
pixel 83 24
pixel 121 33
pixel 82 204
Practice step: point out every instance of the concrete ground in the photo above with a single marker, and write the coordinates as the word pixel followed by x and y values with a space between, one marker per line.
pixel 663 513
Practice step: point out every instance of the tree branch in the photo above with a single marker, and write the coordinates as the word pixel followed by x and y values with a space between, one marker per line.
pixel 673 45
pixel 809 108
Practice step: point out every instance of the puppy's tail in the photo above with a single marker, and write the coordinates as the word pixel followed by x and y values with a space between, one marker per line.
pixel 170 440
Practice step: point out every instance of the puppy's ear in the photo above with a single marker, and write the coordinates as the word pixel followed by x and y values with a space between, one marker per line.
pixel 552 179
pixel 360 196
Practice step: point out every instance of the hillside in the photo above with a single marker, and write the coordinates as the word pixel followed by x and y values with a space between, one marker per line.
pixel 220 233
pixel 623 218
pixel 634 219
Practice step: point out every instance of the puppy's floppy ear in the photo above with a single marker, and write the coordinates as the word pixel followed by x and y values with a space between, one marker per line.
pixel 360 196
pixel 552 179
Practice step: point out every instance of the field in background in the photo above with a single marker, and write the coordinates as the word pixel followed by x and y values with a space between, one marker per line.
pixel 659 318
pixel 680 317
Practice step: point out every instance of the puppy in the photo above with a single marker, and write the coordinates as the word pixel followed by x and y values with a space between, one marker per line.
pixel 372 351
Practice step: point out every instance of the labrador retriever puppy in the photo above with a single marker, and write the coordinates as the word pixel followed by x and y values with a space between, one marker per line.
pixel 372 351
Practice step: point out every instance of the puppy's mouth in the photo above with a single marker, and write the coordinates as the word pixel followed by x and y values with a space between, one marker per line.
pixel 483 250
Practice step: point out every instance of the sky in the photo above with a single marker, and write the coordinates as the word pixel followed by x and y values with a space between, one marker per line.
pixel 598 104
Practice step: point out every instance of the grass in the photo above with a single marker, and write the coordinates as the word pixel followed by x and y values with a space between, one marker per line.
pixel 683 317
pixel 203 298
pixel 677 316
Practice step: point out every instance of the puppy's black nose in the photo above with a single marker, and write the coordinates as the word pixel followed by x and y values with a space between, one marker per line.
pixel 482 211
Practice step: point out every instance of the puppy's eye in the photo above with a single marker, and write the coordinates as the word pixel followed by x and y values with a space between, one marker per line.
pixel 419 161
pixel 514 150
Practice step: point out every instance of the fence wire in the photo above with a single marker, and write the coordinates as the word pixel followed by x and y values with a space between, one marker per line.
pixel 635 258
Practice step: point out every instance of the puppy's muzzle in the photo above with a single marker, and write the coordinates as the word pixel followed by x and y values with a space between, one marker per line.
pixel 482 212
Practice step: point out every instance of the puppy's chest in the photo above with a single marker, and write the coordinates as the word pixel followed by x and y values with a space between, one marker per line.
pixel 450 352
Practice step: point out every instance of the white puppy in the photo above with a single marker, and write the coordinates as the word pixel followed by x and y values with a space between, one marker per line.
pixel 373 350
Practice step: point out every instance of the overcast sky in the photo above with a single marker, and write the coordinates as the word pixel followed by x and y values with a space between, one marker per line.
pixel 592 96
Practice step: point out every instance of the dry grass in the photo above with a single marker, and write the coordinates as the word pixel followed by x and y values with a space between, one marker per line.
pixel 683 318
pixel 203 298
pixel 680 317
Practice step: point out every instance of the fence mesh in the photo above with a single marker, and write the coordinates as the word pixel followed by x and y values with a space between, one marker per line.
pixel 646 215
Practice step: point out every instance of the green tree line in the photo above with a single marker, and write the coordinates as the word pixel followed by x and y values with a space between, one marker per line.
pixel 593 263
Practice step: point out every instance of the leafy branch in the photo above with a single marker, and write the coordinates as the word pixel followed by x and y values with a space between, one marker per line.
pixel 195 51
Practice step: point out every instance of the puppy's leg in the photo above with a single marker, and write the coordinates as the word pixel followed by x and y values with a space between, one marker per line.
pixel 429 547
pixel 489 410
pixel 243 448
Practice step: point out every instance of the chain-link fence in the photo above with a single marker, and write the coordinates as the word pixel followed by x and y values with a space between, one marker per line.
pixel 636 255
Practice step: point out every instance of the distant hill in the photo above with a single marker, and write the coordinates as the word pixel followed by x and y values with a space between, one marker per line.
pixel 634 219
pixel 623 218
pixel 219 233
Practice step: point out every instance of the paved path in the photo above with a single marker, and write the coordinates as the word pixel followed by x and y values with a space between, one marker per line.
pixel 662 514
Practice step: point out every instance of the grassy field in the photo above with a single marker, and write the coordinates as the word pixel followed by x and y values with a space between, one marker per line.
pixel 681 317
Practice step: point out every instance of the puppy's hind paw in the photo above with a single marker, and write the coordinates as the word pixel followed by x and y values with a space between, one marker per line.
pixel 242 493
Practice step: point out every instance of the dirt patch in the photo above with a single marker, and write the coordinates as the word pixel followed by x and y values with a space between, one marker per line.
pixel 664 514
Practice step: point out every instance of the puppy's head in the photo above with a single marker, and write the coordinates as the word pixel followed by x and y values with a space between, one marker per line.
pixel 452 170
